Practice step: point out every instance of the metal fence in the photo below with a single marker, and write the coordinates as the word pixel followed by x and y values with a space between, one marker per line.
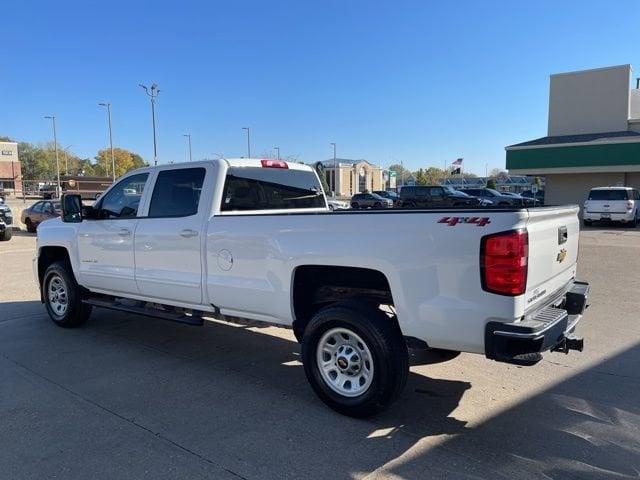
pixel 89 187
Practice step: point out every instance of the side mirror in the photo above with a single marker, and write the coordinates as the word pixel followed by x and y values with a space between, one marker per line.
pixel 71 208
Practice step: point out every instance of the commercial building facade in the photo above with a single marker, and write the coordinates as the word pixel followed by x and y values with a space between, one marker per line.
pixel 10 171
pixel 347 177
pixel 593 136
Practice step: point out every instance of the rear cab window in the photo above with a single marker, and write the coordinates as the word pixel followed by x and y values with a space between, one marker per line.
pixel 249 188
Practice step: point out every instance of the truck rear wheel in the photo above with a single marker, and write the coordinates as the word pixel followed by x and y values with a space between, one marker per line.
pixel 355 358
pixel 7 234
pixel 61 295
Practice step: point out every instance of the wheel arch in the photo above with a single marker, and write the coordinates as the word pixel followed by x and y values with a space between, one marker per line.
pixel 316 286
pixel 48 255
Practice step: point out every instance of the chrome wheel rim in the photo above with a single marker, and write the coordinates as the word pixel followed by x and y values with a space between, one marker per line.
pixel 57 294
pixel 345 362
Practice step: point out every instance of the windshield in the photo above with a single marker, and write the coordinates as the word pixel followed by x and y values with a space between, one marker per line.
pixel 608 195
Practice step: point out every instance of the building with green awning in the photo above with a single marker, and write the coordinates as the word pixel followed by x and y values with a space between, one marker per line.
pixel 593 136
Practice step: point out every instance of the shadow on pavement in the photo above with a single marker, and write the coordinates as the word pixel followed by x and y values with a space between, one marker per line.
pixel 587 427
pixel 237 399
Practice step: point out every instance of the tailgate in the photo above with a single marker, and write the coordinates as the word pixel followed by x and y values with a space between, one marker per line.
pixel 607 206
pixel 553 251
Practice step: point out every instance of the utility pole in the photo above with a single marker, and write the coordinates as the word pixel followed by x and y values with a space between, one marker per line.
pixel 152 93
pixel 55 146
pixel 188 135
pixel 113 158
pixel 333 187
pixel 277 149
pixel 66 164
pixel 248 142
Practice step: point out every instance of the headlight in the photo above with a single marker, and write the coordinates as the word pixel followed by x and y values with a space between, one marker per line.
pixel 8 213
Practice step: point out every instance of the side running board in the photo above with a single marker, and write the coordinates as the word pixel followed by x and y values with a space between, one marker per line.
pixel 142 308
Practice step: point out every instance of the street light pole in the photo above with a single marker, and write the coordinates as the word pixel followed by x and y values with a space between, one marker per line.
pixel 152 93
pixel 277 149
pixel 113 158
pixel 188 135
pixel 66 164
pixel 55 146
pixel 333 188
pixel 248 142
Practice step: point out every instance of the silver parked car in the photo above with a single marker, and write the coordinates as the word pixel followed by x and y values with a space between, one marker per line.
pixel 370 200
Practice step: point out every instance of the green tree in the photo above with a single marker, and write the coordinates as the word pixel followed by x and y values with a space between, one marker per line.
pixel 124 160
pixel 491 183
pixel 319 168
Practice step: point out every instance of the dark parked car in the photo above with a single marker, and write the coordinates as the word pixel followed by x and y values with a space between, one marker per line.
pixel 526 201
pixel 6 222
pixel 393 196
pixel 370 200
pixel 39 212
pixel 495 196
pixel 539 195
pixel 435 197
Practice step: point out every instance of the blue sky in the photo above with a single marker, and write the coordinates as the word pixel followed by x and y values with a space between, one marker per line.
pixel 420 81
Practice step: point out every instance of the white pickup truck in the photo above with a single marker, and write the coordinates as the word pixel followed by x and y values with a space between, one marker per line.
pixel 254 239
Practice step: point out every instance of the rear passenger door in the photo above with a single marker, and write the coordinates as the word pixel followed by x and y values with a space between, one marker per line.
pixel 168 252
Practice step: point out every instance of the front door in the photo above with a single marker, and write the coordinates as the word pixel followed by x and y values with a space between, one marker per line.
pixel 168 241
pixel 105 243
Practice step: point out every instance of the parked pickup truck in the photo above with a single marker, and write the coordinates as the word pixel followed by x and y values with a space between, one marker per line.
pixel 254 239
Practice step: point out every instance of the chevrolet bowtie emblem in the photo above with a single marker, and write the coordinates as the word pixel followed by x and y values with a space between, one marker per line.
pixel 562 254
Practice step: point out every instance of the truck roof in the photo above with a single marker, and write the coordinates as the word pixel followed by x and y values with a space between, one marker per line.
pixel 258 162
pixel 230 162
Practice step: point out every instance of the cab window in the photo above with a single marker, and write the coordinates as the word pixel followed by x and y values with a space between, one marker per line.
pixel 177 192
pixel 123 200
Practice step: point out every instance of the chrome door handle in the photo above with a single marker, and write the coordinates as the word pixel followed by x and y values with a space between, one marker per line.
pixel 124 232
pixel 188 233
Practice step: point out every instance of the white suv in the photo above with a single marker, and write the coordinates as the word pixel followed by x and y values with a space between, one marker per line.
pixel 617 204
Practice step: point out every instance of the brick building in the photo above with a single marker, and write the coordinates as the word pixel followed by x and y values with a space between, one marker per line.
pixel 10 172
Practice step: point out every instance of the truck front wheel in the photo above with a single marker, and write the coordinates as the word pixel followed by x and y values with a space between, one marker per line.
pixel 61 295
pixel 355 358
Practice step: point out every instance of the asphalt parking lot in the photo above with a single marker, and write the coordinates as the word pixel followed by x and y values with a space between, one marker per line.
pixel 131 397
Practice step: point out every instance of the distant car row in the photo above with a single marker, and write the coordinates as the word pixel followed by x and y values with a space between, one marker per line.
pixel 438 197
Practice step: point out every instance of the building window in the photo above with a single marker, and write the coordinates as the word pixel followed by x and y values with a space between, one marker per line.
pixel 351 183
pixel 362 180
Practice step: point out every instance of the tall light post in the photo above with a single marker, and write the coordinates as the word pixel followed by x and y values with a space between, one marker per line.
pixel 248 141
pixel 333 188
pixel 152 93
pixel 277 149
pixel 188 135
pixel 55 147
pixel 66 163
pixel 113 158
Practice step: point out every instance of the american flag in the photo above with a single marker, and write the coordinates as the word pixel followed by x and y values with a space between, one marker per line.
pixel 457 162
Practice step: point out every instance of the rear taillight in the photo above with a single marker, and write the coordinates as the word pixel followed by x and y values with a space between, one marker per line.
pixel 274 164
pixel 629 205
pixel 503 262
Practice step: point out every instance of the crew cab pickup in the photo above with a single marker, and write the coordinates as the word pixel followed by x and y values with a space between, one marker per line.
pixel 254 239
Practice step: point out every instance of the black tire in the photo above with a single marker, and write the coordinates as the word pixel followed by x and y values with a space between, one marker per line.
pixel 377 205
pixel 634 222
pixel 75 313
pixel 31 228
pixel 355 205
pixel 383 339
pixel 587 223
pixel 7 234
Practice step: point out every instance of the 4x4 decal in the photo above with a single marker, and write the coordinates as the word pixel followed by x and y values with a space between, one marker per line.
pixel 453 221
